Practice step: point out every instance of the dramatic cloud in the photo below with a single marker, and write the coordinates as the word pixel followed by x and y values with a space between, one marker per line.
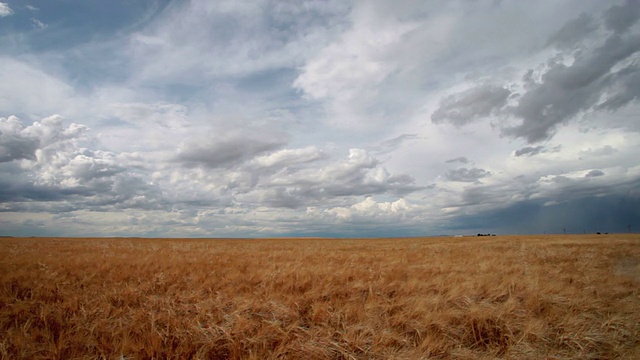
pixel 587 215
pixel 605 70
pixel 332 118
pixel 565 90
pixel 592 70
pixel 543 194
pixel 60 169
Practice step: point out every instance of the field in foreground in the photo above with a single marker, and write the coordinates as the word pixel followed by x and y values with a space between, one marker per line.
pixel 525 297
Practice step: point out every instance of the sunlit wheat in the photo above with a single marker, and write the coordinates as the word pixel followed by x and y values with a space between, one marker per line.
pixel 524 297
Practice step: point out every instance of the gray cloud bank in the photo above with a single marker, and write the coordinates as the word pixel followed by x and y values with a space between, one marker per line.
pixel 47 168
pixel 593 69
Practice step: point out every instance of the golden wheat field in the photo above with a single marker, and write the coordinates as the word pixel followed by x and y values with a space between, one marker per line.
pixel 512 297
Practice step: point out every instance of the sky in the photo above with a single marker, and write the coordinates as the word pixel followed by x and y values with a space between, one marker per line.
pixel 262 118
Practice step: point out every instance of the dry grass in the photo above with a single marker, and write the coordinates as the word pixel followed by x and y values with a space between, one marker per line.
pixel 498 297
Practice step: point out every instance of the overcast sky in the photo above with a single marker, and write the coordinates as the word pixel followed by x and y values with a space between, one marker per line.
pixel 318 118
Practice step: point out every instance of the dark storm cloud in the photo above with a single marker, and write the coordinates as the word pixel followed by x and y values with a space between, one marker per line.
pixel 535 205
pixel 551 189
pixel 563 188
pixel 17 147
pixel 573 32
pixel 594 173
pixel 21 192
pixel 462 108
pixel 619 18
pixel 530 150
pixel 15 144
pixel 613 213
pixel 593 71
pixel 625 89
pixel 120 192
pixel 467 175
pixel 565 90
pixel 482 196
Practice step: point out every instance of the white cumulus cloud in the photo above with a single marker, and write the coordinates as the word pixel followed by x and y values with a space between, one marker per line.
pixel 5 10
